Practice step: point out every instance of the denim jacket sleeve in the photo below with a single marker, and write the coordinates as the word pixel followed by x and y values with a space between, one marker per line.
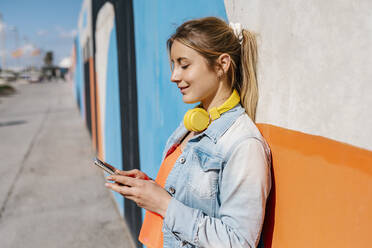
pixel 244 188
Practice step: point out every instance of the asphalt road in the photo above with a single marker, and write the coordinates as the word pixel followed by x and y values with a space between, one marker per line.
pixel 50 193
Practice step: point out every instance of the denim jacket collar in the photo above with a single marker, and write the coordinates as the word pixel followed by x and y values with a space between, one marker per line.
pixel 216 129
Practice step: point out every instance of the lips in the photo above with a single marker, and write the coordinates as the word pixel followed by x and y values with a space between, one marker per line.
pixel 182 89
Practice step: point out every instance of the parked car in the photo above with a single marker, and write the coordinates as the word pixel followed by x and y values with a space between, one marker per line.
pixel 8 76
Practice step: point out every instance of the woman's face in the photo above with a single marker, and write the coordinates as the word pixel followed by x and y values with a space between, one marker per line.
pixel 190 71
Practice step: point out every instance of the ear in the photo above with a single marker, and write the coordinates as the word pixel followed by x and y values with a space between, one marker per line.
pixel 223 64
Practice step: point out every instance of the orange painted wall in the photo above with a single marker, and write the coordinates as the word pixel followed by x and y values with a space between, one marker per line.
pixel 93 102
pixel 322 192
pixel 95 111
pixel 99 142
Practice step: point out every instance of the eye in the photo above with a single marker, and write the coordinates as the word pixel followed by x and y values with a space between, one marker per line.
pixel 184 66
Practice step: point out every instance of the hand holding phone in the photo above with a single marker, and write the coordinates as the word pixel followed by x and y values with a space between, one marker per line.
pixel 108 168
pixel 105 166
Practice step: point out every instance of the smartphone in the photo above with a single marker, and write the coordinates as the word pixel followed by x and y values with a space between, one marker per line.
pixel 105 166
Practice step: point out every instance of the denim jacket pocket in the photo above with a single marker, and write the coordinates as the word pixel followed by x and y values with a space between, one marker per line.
pixel 204 173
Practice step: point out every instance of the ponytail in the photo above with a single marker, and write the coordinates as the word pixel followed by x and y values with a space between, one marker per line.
pixel 247 85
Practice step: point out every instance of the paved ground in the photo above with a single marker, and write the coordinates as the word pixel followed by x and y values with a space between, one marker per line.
pixel 50 193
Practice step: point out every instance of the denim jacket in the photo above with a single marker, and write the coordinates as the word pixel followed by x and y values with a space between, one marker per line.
pixel 219 185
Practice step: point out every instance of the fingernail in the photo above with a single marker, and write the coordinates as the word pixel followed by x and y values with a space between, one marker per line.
pixel 107 184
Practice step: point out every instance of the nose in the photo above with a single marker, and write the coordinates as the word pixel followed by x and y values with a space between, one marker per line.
pixel 175 77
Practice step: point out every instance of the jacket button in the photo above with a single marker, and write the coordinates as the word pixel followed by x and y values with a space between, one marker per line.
pixel 182 160
pixel 172 190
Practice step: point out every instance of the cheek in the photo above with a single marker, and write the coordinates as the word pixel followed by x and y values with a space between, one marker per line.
pixel 202 83
pixel 207 83
pixel 202 77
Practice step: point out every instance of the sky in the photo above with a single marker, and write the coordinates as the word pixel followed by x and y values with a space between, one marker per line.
pixel 48 25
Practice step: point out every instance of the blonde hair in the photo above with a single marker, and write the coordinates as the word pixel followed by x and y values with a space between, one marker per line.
pixel 211 36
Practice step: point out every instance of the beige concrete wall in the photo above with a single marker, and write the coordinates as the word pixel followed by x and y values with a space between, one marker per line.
pixel 315 69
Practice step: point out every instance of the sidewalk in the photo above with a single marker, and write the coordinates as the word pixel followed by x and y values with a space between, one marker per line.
pixel 51 195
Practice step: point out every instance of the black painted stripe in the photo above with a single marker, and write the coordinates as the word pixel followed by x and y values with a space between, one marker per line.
pixel 128 97
pixel 88 116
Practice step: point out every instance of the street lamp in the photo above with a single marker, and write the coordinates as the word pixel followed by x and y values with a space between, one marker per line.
pixel 15 30
pixel 2 39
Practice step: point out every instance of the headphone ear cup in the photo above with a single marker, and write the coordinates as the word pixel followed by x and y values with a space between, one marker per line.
pixel 196 119
pixel 186 120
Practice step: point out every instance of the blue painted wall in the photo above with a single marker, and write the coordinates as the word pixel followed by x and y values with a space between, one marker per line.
pixel 160 105
pixel 112 132
pixel 79 78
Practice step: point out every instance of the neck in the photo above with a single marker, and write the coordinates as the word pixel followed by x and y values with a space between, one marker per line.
pixel 217 99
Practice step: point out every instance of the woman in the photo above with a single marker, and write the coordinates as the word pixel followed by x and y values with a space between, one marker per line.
pixel 212 186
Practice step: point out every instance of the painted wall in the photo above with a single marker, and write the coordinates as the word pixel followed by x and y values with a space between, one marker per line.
pixel 313 78
pixel 79 78
pixel 320 195
pixel 160 106
pixel 84 34
pixel 314 69
pixel 97 83
pixel 109 123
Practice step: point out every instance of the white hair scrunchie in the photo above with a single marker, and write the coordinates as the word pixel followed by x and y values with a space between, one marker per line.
pixel 237 28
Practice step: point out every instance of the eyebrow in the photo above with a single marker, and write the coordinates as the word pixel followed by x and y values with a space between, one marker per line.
pixel 181 58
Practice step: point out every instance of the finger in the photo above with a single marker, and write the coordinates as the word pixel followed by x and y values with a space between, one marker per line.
pixel 127 181
pixel 130 173
pixel 120 172
pixel 124 190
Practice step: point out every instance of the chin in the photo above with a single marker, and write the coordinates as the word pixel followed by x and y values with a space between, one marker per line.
pixel 189 100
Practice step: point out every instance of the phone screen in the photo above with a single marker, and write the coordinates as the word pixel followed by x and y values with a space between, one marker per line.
pixel 105 166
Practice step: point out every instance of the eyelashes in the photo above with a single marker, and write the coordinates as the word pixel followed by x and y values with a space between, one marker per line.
pixel 184 67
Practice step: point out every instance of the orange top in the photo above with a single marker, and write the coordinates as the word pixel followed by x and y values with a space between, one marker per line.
pixel 151 234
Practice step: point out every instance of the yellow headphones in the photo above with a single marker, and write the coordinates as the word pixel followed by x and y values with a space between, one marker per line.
pixel 198 119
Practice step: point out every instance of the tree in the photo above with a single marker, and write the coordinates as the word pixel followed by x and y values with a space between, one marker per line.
pixel 48 59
